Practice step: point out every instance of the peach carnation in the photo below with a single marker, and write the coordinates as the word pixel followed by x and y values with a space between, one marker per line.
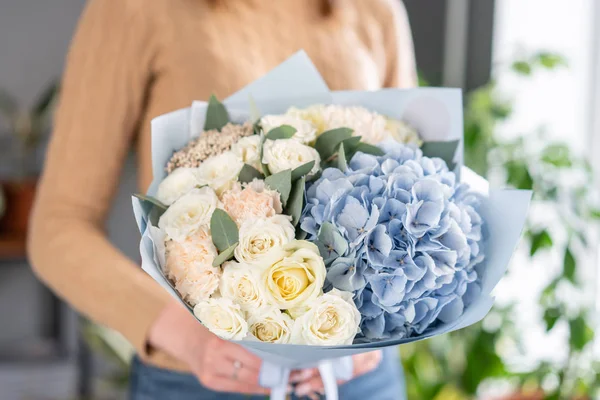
pixel 252 201
pixel 189 267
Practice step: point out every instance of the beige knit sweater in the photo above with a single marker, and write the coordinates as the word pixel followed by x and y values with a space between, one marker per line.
pixel 131 60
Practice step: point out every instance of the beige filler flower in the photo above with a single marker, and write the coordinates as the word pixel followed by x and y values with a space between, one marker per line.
pixel 209 143
pixel 255 200
pixel 189 267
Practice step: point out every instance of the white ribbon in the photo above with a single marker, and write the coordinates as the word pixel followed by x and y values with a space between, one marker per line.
pixel 277 377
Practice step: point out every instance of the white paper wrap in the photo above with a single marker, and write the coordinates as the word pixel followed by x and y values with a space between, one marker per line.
pixel 437 115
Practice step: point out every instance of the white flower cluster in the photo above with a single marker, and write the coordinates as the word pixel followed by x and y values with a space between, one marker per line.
pixel 273 288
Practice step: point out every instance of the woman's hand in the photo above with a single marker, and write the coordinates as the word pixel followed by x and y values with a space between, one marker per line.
pixel 219 365
pixel 309 380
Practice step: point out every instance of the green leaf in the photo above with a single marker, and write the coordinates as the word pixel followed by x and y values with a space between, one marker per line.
pixel 249 173
pixel 342 163
pixel 295 203
pixel 550 60
pixel 330 242
pixel 540 240
pixel 551 316
pixel 281 132
pixel 261 146
pixel 282 182
pixel 254 111
pixel 569 265
pixel 518 175
pixel 152 200
pixel 223 230
pixel 522 68
pixel 444 150
pixel 350 146
pixel 328 141
pixel 225 255
pixel 595 213
pixel 302 170
pixel 558 155
pixel 369 149
pixel 216 115
pixel 580 332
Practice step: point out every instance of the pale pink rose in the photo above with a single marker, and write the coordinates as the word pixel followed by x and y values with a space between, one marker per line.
pixel 189 267
pixel 252 201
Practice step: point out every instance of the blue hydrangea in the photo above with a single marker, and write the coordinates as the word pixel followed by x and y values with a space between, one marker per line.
pixel 402 234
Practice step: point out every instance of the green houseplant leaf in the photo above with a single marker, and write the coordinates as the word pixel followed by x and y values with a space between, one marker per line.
pixel 225 255
pixel 569 265
pixel 540 240
pixel 223 229
pixel 216 115
pixel 281 182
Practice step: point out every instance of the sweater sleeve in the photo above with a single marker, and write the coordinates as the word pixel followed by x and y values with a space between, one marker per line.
pixel 401 70
pixel 103 91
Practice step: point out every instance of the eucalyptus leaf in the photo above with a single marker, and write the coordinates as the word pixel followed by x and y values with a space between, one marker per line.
pixel 281 132
pixel 225 255
pixel 300 234
pixel 350 146
pixel 152 200
pixel 302 170
pixel 216 115
pixel 223 230
pixel 261 152
pixel 328 142
pixel 342 163
pixel 369 149
pixel 281 182
pixel 295 203
pixel 249 173
pixel 443 150
pixel 331 243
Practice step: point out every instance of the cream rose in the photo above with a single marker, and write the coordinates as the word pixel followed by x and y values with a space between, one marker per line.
pixel 176 184
pixel 254 201
pixel 306 132
pixel 282 154
pixel 241 283
pixel 189 214
pixel 189 267
pixel 261 240
pixel 330 320
pixel 222 317
pixel 297 277
pixel 220 171
pixel 246 150
pixel 270 325
pixel 403 132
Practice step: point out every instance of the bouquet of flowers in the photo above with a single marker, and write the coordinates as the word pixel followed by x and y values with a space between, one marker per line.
pixel 328 225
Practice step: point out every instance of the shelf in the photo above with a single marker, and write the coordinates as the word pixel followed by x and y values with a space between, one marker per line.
pixel 12 247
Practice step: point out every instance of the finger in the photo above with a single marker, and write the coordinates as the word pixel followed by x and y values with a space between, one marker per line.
pixel 227 385
pixel 366 362
pixel 309 386
pixel 238 353
pixel 301 375
pixel 227 369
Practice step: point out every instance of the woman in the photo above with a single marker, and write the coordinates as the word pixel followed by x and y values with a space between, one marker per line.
pixel 132 60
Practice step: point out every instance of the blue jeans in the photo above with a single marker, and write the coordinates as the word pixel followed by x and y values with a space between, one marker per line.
pixel 152 383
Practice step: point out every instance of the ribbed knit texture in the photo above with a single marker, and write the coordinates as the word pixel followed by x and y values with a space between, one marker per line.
pixel 131 60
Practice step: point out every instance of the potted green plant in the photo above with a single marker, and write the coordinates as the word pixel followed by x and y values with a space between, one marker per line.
pixel 28 127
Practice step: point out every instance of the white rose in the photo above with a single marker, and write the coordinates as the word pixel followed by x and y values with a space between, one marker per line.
pixel 188 214
pixel 297 277
pixel 330 320
pixel 260 240
pixel 220 171
pixel 282 154
pixel 270 325
pixel 176 184
pixel 306 132
pixel 246 149
pixel 241 283
pixel 222 317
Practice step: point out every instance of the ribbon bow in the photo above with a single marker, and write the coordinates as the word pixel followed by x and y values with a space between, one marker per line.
pixel 276 377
